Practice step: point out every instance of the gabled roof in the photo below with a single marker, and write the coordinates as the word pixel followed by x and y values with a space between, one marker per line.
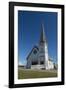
pixel 32 50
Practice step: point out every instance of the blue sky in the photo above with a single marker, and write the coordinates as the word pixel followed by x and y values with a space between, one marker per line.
pixel 29 28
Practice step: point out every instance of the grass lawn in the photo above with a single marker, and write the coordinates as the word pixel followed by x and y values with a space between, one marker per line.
pixel 26 74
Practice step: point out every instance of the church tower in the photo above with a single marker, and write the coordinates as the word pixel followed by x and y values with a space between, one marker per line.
pixel 43 49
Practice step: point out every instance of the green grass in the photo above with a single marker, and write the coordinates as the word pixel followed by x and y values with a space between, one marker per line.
pixel 26 74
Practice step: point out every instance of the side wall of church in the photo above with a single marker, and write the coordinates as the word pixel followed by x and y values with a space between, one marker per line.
pixel 32 58
pixel 46 56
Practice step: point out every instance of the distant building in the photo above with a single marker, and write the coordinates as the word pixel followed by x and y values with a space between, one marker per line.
pixel 38 58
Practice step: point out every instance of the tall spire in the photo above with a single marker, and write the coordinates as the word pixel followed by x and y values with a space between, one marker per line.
pixel 42 34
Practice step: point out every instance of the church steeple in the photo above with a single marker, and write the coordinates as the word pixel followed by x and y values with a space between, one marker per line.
pixel 42 34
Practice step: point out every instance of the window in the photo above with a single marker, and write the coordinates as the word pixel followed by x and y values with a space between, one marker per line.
pixel 34 63
pixel 35 51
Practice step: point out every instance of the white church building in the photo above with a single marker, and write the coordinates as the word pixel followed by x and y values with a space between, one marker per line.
pixel 38 58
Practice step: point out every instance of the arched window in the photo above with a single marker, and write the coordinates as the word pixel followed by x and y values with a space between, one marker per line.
pixel 35 51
